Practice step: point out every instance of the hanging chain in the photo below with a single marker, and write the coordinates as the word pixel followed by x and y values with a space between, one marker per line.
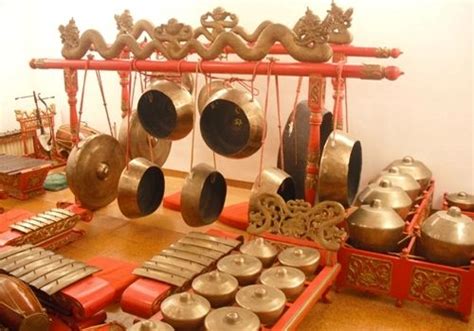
pixel 104 102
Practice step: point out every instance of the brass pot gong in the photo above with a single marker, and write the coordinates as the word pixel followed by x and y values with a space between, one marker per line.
pixel 141 188
pixel 166 110
pixel 203 195
pixel 93 170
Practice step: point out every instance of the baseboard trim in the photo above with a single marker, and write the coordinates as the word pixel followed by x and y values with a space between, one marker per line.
pixel 230 182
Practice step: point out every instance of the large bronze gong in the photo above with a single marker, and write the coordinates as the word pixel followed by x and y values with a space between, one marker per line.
pixel 141 143
pixel 203 195
pixel 232 123
pixel 166 110
pixel 295 144
pixel 93 170
pixel 141 188
pixel 339 172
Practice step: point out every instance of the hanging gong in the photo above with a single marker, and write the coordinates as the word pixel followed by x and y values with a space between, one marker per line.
pixel 141 188
pixel 295 143
pixel 275 181
pixel 141 143
pixel 207 91
pixel 165 110
pixel 339 172
pixel 93 170
pixel 203 195
pixel 232 123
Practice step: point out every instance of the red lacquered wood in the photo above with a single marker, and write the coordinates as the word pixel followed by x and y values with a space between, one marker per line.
pixel 316 95
pixel 216 67
pixel 173 201
pixel 338 89
pixel 144 296
pixel 71 87
pixel 119 274
pixel 423 209
pixel 89 296
pixel 236 216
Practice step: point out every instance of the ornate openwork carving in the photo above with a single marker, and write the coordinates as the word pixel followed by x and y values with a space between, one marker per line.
pixel 297 218
pixel 308 41
pixel 369 273
pixel 173 32
pixel 124 22
pixel 340 23
pixel 435 287
pixel 310 31
pixel 69 34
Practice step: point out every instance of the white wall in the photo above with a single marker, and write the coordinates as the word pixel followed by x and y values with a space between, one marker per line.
pixel 427 113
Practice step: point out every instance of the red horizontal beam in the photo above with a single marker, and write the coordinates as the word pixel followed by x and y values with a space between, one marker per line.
pixel 347 50
pixel 376 72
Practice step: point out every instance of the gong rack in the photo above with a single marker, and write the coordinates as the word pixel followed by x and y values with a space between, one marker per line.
pixel 311 43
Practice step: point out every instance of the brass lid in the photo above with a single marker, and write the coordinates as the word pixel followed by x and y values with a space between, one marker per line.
pixel 232 319
pixel 389 195
pixel 215 283
pixel 375 216
pixel 400 179
pixel 151 326
pixel 239 265
pixel 260 298
pixel 415 168
pixel 260 248
pixel 185 306
pixel 462 200
pixel 450 226
pixel 299 256
pixel 283 277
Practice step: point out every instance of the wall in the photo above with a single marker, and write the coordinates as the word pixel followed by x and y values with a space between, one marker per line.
pixel 427 113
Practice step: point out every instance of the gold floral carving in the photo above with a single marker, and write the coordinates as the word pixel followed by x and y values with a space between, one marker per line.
pixel 436 287
pixel 297 218
pixel 383 52
pixel 308 43
pixel 370 273
pixel 340 22
pixel 311 31
pixel 372 71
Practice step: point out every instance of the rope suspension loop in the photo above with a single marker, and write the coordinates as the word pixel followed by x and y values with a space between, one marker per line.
pixel 101 88
pixel 337 101
pixel 346 108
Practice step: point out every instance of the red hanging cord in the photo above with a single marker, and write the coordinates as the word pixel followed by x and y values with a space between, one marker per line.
pixel 346 107
pixel 265 109
pixel 293 118
pixel 193 135
pixel 337 103
pixel 101 88
pixel 82 97
pixel 277 88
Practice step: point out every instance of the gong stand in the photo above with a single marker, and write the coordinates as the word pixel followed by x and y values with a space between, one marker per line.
pixel 312 43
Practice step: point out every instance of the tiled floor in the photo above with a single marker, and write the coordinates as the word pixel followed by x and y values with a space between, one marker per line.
pixel 111 234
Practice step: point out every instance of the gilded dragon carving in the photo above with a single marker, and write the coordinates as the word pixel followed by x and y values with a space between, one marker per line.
pixel 297 218
pixel 307 41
